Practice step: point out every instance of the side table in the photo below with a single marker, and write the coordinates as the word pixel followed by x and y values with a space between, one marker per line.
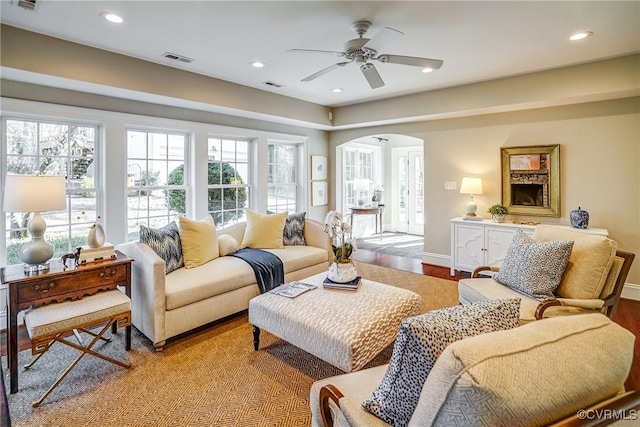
pixel 59 284
pixel 377 211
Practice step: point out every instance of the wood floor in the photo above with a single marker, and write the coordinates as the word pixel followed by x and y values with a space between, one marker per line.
pixel 626 316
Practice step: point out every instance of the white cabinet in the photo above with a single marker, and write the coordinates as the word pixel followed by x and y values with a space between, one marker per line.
pixel 476 243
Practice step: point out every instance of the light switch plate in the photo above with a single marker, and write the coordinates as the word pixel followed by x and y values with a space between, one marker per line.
pixel 449 185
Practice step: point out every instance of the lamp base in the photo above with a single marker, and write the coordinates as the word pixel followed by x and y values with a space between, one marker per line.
pixel 36 268
pixel 472 218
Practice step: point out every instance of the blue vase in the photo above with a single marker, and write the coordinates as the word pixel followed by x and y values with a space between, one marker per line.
pixel 579 218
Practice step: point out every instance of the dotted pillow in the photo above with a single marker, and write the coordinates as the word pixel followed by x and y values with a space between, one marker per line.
pixel 166 243
pixel 420 342
pixel 293 234
pixel 534 268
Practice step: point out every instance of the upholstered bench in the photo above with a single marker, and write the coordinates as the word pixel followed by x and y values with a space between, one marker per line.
pixel 344 328
pixel 50 323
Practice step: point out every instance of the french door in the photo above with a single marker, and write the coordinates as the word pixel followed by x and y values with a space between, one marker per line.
pixel 408 190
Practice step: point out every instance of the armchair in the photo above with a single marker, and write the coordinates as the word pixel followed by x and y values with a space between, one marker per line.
pixel 543 373
pixel 592 282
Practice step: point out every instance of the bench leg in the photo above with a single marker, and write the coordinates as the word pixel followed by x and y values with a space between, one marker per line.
pixel 256 338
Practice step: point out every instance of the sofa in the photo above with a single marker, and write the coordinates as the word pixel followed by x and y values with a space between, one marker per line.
pixel 166 305
pixel 567 369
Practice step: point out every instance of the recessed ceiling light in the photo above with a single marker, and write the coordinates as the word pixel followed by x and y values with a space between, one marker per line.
pixel 581 35
pixel 257 64
pixel 336 90
pixel 112 17
pixel 427 70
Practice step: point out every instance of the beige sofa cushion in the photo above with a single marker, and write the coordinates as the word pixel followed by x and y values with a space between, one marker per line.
pixel 199 241
pixel 589 264
pixel 227 244
pixel 296 258
pixel 531 375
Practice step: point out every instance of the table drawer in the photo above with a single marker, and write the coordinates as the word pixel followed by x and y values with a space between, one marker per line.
pixel 36 290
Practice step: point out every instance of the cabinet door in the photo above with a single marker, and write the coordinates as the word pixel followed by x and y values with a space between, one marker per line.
pixel 469 247
pixel 497 242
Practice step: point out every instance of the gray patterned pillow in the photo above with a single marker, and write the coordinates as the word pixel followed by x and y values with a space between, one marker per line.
pixel 421 340
pixel 534 268
pixel 166 243
pixel 293 234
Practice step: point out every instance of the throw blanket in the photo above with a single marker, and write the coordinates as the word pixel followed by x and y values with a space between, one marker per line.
pixel 267 267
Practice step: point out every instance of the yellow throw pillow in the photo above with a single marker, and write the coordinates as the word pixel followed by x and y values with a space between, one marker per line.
pixel 199 241
pixel 264 231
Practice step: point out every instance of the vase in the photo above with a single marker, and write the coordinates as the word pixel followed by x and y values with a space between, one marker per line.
pixel 579 218
pixel 498 217
pixel 342 272
pixel 96 236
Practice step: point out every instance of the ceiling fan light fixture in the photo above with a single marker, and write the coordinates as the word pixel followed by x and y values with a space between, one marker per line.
pixel 112 17
pixel 580 35
pixel 257 64
pixel 427 70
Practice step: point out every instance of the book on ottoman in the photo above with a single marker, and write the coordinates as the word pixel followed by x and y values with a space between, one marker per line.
pixel 350 286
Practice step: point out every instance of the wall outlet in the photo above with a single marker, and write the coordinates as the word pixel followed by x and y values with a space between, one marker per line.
pixel 449 185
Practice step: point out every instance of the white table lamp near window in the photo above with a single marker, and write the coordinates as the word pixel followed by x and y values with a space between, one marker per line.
pixel 35 193
pixel 360 185
pixel 471 186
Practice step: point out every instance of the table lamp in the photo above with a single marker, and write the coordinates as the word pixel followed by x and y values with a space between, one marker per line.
pixel 359 185
pixel 35 193
pixel 471 186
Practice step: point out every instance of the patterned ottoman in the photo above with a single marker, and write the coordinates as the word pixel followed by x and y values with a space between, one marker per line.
pixel 344 328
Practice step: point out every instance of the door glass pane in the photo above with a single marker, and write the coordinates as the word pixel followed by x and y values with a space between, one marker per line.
pixel 419 192
pixel 402 194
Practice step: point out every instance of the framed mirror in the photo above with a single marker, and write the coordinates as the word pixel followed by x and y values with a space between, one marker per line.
pixel 531 180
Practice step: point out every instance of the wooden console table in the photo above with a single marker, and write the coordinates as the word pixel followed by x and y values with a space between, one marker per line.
pixel 26 290
pixel 377 211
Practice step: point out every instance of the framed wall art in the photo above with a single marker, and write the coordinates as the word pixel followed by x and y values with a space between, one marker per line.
pixel 531 180
pixel 319 193
pixel 318 168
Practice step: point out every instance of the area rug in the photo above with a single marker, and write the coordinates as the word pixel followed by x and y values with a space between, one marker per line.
pixel 209 377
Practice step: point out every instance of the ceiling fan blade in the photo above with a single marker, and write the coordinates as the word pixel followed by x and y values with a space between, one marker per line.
pixel 332 52
pixel 383 37
pixel 410 60
pixel 325 71
pixel 372 75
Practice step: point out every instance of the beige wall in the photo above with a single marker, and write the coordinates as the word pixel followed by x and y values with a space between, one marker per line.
pixel 600 164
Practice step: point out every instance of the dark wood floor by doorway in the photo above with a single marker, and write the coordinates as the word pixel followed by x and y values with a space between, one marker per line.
pixel 626 316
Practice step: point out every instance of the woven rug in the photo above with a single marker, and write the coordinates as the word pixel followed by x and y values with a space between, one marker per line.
pixel 209 377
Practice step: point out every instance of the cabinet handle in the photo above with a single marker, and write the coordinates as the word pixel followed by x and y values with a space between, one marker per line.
pixel 104 275
pixel 44 288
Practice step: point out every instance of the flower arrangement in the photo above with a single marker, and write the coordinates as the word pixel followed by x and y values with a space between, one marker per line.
pixel 498 209
pixel 337 230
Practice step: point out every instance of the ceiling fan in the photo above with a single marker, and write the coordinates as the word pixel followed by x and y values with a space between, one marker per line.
pixel 362 50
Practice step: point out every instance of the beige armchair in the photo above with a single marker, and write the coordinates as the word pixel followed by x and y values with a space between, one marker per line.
pixel 592 281
pixel 552 372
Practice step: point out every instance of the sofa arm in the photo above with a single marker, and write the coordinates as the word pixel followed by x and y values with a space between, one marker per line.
pixel 314 235
pixel 147 291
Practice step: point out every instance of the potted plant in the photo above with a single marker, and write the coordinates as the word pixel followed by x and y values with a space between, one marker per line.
pixel 498 212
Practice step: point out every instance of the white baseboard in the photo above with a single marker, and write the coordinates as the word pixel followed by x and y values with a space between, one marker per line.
pixel 631 291
pixel 436 259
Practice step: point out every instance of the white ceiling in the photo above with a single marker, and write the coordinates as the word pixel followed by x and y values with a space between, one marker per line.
pixel 477 40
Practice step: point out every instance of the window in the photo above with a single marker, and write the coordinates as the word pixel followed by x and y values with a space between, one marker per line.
pixel 358 164
pixel 156 186
pixel 228 180
pixel 282 186
pixel 53 148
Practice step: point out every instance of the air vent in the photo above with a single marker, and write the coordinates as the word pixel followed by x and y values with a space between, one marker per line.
pixel 27 4
pixel 176 57
pixel 272 84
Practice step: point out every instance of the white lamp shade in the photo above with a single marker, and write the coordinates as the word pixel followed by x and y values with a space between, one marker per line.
pixel 471 185
pixel 34 193
pixel 361 184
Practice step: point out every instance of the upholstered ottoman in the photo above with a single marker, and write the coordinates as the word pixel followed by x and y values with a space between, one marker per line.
pixel 344 328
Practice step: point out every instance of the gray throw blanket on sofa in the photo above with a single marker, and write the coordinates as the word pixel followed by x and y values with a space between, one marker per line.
pixel 267 267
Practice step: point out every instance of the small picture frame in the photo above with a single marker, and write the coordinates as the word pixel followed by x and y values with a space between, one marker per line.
pixel 318 168
pixel 319 193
